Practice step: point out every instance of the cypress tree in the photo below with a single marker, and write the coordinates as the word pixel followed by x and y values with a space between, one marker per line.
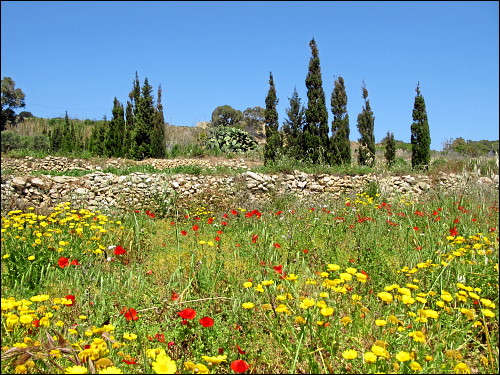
pixel 273 145
pixel 116 130
pixel 158 136
pixel 144 119
pixel 293 126
pixel 390 150
pixel 316 127
pixel 340 145
pixel 129 127
pixel 420 134
pixel 366 125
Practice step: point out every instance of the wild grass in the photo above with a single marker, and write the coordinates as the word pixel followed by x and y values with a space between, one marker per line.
pixel 364 284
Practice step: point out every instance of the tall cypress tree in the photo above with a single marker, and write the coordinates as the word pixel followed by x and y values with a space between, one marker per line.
pixel 143 124
pixel 390 150
pixel 116 130
pixel 316 127
pixel 366 126
pixel 293 126
pixel 340 145
pixel 272 148
pixel 158 136
pixel 420 134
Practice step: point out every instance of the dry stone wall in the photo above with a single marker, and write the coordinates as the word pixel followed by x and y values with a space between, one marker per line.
pixel 98 190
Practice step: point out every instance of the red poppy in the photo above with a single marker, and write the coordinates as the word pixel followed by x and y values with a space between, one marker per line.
pixel 210 220
pixel 71 298
pixel 63 262
pixel 183 232
pixel 130 362
pixel 277 245
pixel 234 212
pixel 36 323
pixel 197 218
pixel 221 351
pixel 170 344
pixel 195 227
pixel 119 250
pixel 453 231
pixel 175 296
pixel 225 216
pixel 186 216
pixel 74 262
pixel 217 238
pixel 160 337
pixel 187 314
pixel 278 269
pixel 415 228
pixel 223 223
pixel 172 223
pixel 239 366
pixel 219 232
pixel 129 313
pixel 207 321
pixel 254 238
pixel 305 251
pixel 241 351
pixel 184 322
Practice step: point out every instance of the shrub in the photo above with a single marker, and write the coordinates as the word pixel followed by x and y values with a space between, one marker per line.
pixel 230 140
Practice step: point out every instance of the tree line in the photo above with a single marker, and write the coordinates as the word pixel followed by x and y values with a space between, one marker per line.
pixel 305 132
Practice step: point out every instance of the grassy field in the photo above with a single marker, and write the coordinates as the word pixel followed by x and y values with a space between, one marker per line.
pixel 357 285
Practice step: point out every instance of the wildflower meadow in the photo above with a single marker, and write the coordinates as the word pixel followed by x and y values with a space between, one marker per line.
pixel 361 284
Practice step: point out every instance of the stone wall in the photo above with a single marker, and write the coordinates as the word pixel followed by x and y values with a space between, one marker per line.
pixel 99 190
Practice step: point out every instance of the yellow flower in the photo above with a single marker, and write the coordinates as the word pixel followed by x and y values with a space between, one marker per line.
pixel 415 366
pixel 300 320
pixel 488 313
pixel 345 276
pixel 153 353
pixel 259 288
pixel 461 368
pixel 267 282
pixel 31 257
pixel 248 305
pixel 370 357
pixel 306 303
pixel 214 360
pixel 350 354
pixel 90 353
pixel 76 370
pixel 346 320
pixel 196 368
pixel 110 370
pixel 326 311
pixel 283 308
pixel 164 365
pixel 380 322
pixel 380 351
pixel 129 336
pixel 247 284
pixel 429 313
pixel 292 277
pixel 418 336
pixel 403 356
pixel 333 267
pixel 386 297
pixel 356 297
pixel 351 270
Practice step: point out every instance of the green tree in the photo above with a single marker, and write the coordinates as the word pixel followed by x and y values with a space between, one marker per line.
pixel 158 136
pixel 316 127
pixel 254 122
pixel 11 99
pixel 144 120
pixel 366 126
pixel 340 145
pixel 272 148
pixel 420 134
pixel 390 149
pixel 129 127
pixel 116 129
pixel 293 126
pixel 226 115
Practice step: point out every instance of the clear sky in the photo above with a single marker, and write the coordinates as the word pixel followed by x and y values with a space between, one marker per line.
pixel 77 56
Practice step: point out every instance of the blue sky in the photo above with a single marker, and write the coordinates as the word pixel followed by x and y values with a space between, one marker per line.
pixel 78 56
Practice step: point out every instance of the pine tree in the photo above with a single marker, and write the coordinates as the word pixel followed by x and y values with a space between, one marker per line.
pixel 390 150
pixel 129 127
pixel 316 127
pixel 293 126
pixel 420 134
pixel 116 130
pixel 273 146
pixel 366 126
pixel 340 145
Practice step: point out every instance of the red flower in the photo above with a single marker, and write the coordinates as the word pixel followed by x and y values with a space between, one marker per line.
pixel 175 296
pixel 160 337
pixel 129 313
pixel 415 228
pixel 217 238
pixel 254 238
pixel 278 269
pixel 223 223
pixel 207 322
pixel 74 262
pixel 221 351
pixel 241 351
pixel 453 231
pixel 184 322
pixel 234 212
pixel 195 227
pixel 219 232
pixel 239 366
pixel 170 344
pixel 71 298
pixel 36 323
pixel 130 362
pixel 187 314
pixel 210 220
pixel 119 250
pixel 225 216
pixel 277 245
pixel 183 232
pixel 63 262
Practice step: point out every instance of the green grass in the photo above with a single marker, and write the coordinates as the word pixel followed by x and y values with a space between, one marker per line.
pixel 269 275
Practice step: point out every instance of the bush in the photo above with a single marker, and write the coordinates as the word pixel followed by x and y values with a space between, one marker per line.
pixel 229 139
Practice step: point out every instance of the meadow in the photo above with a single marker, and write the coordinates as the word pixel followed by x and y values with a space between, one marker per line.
pixel 361 284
